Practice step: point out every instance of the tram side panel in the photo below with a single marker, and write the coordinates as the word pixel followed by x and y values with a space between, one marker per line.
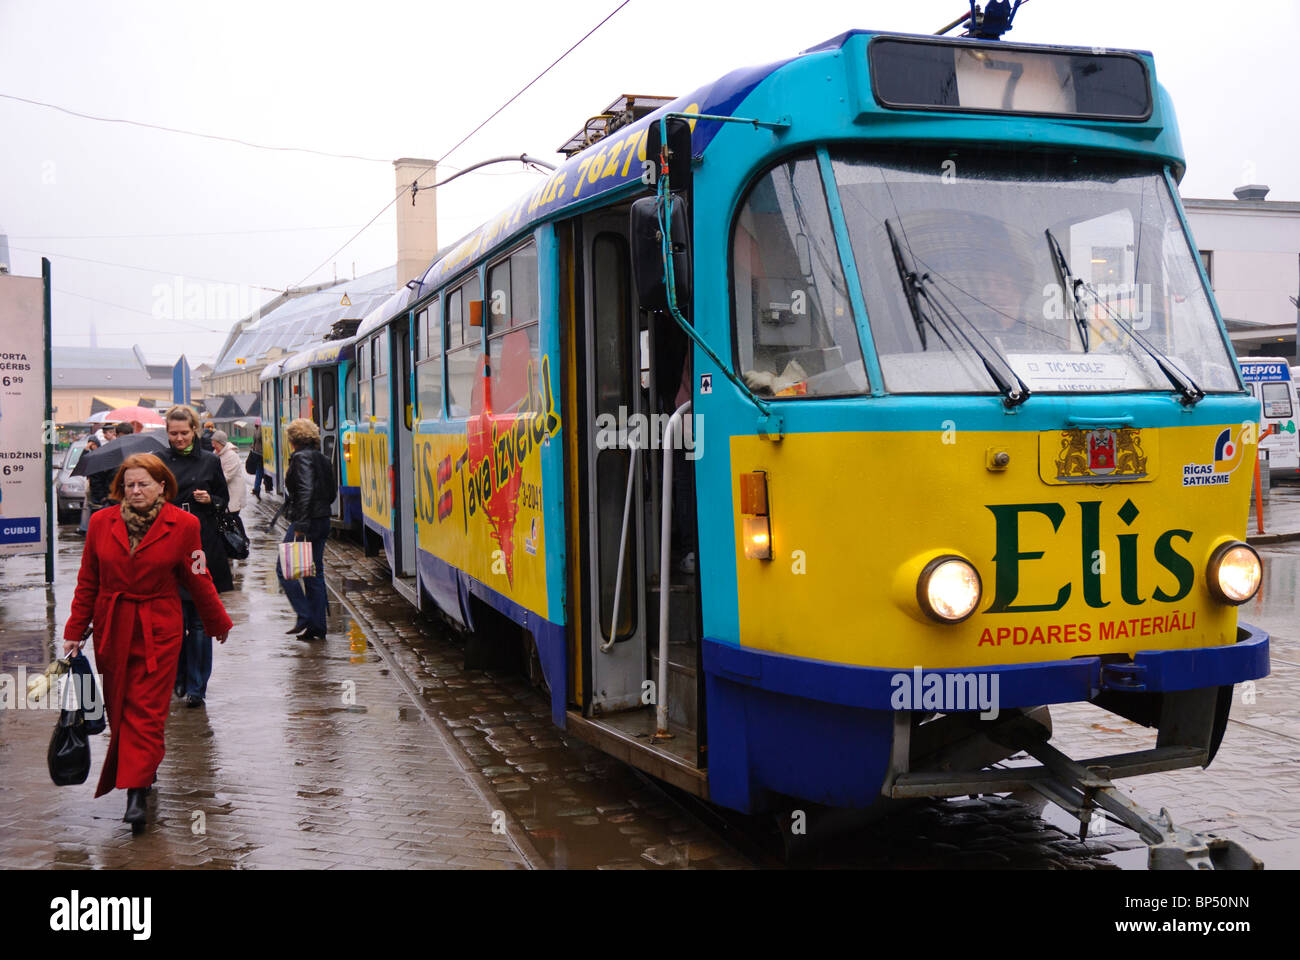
pixel 488 485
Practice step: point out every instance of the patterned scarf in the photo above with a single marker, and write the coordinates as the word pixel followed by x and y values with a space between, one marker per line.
pixel 138 523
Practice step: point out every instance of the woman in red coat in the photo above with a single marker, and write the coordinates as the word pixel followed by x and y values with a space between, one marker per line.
pixel 135 559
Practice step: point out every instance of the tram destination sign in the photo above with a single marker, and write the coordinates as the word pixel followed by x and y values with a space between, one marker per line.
pixel 909 74
pixel 23 508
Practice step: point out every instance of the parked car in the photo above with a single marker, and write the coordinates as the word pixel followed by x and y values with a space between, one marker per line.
pixel 71 491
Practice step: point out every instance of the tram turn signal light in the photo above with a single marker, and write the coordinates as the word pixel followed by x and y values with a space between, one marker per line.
pixel 948 589
pixel 755 526
pixel 1234 573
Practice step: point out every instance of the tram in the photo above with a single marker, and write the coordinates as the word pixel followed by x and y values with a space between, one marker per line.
pixel 318 383
pixel 819 431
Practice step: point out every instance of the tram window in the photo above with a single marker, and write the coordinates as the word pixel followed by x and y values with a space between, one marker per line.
pixel 795 333
pixel 498 298
pixel 455 336
pixel 381 397
pixel 610 307
pixel 428 371
pixel 365 385
pixel 471 290
pixel 350 394
pixel 512 334
pixel 462 361
pixel 982 244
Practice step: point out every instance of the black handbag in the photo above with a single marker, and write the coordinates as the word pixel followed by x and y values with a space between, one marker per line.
pixel 68 757
pixel 253 463
pixel 89 701
pixel 233 536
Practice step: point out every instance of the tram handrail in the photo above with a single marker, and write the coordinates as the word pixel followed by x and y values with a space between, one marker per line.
pixel 665 548
pixel 622 552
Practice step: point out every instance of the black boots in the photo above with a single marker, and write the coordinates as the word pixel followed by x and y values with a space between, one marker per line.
pixel 136 808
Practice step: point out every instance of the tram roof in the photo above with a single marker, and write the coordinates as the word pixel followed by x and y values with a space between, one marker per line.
pixel 384 312
pixel 319 354
pixel 270 371
pixel 308 317
pixel 571 186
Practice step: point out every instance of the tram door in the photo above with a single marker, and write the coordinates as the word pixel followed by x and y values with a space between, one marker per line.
pixel 610 369
pixel 403 483
pixel 325 389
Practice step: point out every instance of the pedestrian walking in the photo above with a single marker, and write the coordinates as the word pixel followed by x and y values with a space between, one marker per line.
pixel 232 468
pixel 137 560
pixel 257 463
pixel 201 489
pixel 309 491
pixel 205 438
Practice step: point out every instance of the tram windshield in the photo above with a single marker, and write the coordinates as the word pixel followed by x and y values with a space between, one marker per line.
pixel 1069 274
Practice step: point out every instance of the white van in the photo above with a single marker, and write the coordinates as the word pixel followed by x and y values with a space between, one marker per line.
pixel 1270 380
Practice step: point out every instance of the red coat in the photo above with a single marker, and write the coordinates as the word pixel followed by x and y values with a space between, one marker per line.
pixel 134 602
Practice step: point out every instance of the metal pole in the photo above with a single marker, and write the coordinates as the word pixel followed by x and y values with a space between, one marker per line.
pixel 665 573
pixel 49 430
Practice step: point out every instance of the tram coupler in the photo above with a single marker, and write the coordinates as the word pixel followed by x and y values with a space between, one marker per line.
pixel 1082 790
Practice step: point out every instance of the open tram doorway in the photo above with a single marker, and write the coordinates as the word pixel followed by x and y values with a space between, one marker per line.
pixel 625 374
pixel 325 388
pixel 403 480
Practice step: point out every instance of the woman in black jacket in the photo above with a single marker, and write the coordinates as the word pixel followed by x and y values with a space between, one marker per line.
pixel 201 489
pixel 309 491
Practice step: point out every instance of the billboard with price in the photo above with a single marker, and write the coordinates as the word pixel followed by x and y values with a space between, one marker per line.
pixel 24 508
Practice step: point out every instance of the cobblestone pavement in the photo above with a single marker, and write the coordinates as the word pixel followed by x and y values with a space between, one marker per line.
pixel 305 756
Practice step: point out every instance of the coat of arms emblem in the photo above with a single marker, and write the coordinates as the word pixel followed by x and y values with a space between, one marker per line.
pixel 1101 451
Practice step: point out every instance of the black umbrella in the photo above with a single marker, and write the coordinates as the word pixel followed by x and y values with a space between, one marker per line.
pixel 111 455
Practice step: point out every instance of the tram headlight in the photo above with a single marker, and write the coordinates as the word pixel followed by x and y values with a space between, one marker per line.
pixel 1234 572
pixel 948 589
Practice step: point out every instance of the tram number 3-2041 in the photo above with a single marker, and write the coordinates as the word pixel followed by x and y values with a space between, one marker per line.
pixel 530 496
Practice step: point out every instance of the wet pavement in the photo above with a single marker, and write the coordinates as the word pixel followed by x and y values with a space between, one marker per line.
pixel 378 748
pixel 1281 516
pixel 305 755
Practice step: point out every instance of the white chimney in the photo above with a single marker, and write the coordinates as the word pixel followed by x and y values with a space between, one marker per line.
pixel 417 222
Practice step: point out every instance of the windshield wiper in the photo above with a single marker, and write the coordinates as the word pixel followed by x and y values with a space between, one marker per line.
pixel 911 287
pixel 1070 285
pixel 1191 393
pixel 915 291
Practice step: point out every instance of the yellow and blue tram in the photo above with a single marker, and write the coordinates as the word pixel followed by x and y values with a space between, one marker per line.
pixel 317 382
pixel 821 428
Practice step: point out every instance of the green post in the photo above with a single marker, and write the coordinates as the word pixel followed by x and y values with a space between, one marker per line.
pixel 48 430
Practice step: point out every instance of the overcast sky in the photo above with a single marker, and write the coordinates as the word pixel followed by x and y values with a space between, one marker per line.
pixel 226 225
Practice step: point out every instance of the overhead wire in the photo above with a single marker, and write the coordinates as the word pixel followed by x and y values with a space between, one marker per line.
pixel 131 266
pixel 191 133
pixel 401 193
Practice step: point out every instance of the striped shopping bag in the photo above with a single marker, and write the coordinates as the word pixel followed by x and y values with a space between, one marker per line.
pixel 296 559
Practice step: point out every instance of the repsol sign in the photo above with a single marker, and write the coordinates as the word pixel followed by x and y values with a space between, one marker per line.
pixel 1138 556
